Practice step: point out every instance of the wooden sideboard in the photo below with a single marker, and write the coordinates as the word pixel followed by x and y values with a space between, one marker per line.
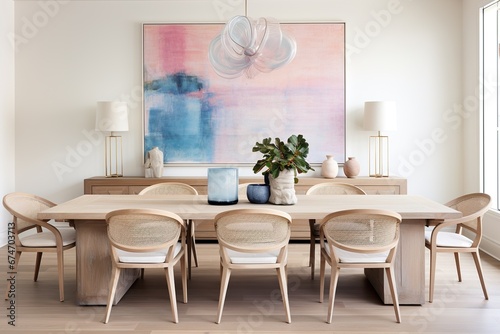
pixel 130 185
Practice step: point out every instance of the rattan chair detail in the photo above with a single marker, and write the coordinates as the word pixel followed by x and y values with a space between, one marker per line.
pixel 147 238
pixel 24 208
pixel 252 239
pixel 441 240
pixel 326 188
pixel 359 238
pixel 176 188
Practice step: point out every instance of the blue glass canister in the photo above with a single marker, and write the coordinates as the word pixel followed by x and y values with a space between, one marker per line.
pixel 222 186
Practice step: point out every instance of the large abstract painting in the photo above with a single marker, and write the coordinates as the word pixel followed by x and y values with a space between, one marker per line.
pixel 197 117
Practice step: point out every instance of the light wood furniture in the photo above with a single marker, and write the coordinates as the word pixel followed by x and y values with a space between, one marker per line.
pixel 356 305
pixel 252 239
pixel 131 185
pixel 473 207
pixel 359 238
pixel 127 231
pixel 93 263
pixel 173 189
pixel 47 238
pixel 326 188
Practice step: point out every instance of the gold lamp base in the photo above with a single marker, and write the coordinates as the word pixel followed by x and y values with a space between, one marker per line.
pixel 113 159
pixel 379 156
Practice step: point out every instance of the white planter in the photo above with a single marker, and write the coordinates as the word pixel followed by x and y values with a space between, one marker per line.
pixel 283 188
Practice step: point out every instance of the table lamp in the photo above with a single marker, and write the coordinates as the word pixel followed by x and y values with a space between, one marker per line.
pixel 112 116
pixel 379 116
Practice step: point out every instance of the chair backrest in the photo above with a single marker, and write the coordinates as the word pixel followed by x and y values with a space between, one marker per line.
pixel 253 230
pixel 169 188
pixel 362 230
pixel 25 208
pixel 144 230
pixel 334 188
pixel 473 206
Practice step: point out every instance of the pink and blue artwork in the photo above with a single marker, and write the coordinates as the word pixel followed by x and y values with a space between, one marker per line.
pixel 197 117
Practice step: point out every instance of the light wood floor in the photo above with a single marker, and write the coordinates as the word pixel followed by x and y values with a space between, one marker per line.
pixel 253 304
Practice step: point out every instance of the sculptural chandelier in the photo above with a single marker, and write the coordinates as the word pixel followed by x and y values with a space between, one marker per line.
pixel 250 46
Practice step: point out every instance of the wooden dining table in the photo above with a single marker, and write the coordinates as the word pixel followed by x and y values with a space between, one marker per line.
pixel 93 263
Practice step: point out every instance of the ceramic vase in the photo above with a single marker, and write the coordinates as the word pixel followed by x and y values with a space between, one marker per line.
pixel 283 188
pixel 329 167
pixel 154 163
pixel 258 193
pixel 351 167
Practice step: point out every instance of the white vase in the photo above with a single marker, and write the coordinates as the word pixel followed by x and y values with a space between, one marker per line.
pixel 283 188
pixel 154 163
pixel 329 167
pixel 351 167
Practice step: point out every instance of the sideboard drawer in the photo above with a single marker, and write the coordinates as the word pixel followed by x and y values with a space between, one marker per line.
pixel 110 190
pixel 381 190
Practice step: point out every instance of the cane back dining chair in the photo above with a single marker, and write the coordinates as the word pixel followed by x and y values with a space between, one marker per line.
pixel 48 238
pixel 359 238
pixel 326 188
pixel 439 239
pixel 147 238
pixel 252 239
pixel 177 188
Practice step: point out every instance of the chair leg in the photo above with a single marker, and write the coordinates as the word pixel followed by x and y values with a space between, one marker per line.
pixel 394 293
pixel 171 292
pixel 226 273
pixel 37 265
pixel 322 265
pixel 284 292
pixel 115 275
pixel 334 277
pixel 312 247
pixel 432 274
pixel 184 278
pixel 60 271
pixel 477 261
pixel 457 264
pixel 14 269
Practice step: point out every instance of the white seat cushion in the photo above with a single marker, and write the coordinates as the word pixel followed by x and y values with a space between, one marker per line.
pixel 353 257
pixel 47 238
pixel 148 257
pixel 255 258
pixel 449 239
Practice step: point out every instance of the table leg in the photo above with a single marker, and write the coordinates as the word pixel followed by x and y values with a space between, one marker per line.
pixel 93 265
pixel 409 267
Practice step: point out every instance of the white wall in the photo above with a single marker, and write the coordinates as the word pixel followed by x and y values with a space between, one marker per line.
pixel 75 53
pixel 6 110
pixel 91 50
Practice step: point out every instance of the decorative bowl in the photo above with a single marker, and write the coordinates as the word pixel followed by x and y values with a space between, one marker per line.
pixel 258 193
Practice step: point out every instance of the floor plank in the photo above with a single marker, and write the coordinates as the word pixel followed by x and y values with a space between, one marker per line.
pixel 253 303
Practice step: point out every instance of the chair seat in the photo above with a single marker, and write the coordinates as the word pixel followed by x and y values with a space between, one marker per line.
pixel 148 257
pixel 253 258
pixel 449 239
pixel 48 239
pixel 351 257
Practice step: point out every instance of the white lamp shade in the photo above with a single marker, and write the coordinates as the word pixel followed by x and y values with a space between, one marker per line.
pixel 380 116
pixel 111 116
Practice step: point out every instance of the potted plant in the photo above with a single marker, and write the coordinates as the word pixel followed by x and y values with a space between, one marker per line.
pixel 283 162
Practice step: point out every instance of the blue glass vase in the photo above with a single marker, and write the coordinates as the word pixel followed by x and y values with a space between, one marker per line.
pixel 222 186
